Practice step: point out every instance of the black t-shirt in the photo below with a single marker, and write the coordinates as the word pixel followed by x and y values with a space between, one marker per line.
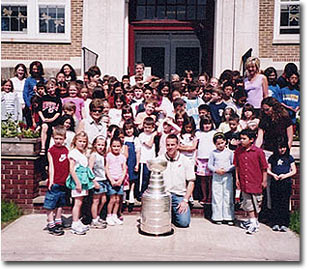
pixel 49 106
pixel 274 130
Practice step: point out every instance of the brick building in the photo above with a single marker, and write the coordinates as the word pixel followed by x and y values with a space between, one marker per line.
pixel 165 34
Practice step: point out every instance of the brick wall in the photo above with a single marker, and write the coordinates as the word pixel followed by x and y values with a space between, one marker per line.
pixel 278 52
pixel 20 181
pixel 35 51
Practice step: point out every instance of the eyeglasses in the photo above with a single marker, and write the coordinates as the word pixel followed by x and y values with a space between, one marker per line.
pixel 99 111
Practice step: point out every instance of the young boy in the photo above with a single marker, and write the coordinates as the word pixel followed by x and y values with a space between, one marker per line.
pixel 217 106
pixel 193 102
pixel 138 98
pixel 251 177
pixel 232 136
pixel 150 106
pixel 49 110
pixel 58 164
pixel 145 150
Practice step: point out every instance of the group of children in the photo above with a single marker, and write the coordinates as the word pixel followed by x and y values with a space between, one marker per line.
pixel 216 130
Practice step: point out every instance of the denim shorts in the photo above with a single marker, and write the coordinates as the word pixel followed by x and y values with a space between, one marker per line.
pixel 114 190
pixel 103 187
pixel 55 197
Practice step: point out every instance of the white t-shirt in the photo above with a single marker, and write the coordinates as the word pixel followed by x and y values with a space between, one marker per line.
pixel 187 140
pixel 80 158
pixel 115 116
pixel 146 152
pixel 19 88
pixel 205 143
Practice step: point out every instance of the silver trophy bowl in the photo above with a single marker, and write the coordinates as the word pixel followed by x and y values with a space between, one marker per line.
pixel 156 202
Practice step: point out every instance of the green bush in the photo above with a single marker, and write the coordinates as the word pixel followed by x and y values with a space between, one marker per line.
pixel 295 222
pixel 9 211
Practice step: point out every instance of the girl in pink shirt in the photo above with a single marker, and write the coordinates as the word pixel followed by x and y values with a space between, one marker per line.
pixel 79 102
pixel 116 170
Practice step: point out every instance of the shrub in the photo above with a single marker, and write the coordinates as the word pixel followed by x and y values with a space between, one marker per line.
pixel 295 222
pixel 9 211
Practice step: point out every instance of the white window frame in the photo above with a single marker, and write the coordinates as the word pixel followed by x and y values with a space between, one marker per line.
pixel 283 38
pixel 33 34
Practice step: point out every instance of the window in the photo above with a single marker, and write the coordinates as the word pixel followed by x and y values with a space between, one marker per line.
pixel 181 10
pixel 286 21
pixel 36 21
pixel 14 18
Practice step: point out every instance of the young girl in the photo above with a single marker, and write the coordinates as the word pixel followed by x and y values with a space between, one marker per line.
pixel 97 165
pixel 188 140
pixel 68 122
pixel 281 167
pixel 126 115
pixel 224 126
pixel 84 94
pixel 116 170
pixel 130 133
pixel 248 119
pixel 10 105
pixel 180 117
pixel 79 180
pixel 73 96
pixel 221 164
pixel 205 146
pixel 115 113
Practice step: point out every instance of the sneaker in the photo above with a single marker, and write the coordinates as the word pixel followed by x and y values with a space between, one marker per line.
pixel 97 225
pixel 55 231
pixel 244 224
pixel 85 227
pixel 76 228
pixel 230 223
pixel 251 229
pixel 110 221
pixel 218 222
pixel 117 220
pixel 102 221
pixel 130 207
pixel 283 229
pixel 276 228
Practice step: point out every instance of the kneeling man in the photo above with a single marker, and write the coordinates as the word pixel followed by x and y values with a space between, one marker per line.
pixel 179 180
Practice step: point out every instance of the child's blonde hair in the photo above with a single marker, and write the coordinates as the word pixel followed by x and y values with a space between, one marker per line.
pixel 99 137
pixel 59 130
pixel 69 106
pixel 82 134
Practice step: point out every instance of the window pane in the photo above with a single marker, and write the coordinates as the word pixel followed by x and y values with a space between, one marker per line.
pixel 171 2
pixel 14 18
pixel 201 12
pixel 141 13
pixel 290 31
pixel 201 2
pixel 52 19
pixel 5 24
pixel 181 2
pixel 171 12
pixel 181 13
pixel 154 57
pixel 187 59
pixel 191 2
pixel 14 11
pixel 151 2
pixel 150 12
pixel 51 26
pixel 52 12
pixel 161 2
pixel 191 13
pixel 43 26
pixel 161 12
pixel 14 24
pixel 141 2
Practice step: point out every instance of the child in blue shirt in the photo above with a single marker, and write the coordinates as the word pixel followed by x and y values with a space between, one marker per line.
pixel 217 106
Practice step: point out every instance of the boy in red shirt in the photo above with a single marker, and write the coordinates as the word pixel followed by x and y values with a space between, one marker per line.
pixel 251 177
pixel 58 167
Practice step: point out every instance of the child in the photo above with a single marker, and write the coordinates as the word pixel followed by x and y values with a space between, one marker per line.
pixel 205 146
pixel 150 106
pixel 207 94
pixel 228 89
pixel 73 91
pixel 180 118
pixel 49 110
pixel 10 105
pixel 166 127
pixel 289 96
pixel 116 170
pixel 80 179
pixel 130 133
pixel 221 164
pixel 58 168
pixel 240 99
pixel 126 115
pixel 97 165
pixel 281 168
pixel 232 136
pixel 217 106
pixel 224 126
pixel 273 87
pixel 70 109
pixel 145 150
pixel 115 113
pixel 40 91
pixel 187 139
pixel 84 94
pixel 251 177
pixel 248 119
pixel 138 98
pixel 193 102
pixel 203 110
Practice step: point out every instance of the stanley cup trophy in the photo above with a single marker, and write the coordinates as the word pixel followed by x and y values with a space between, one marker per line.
pixel 156 203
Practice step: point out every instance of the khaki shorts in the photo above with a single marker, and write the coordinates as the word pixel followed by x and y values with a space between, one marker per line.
pixel 251 202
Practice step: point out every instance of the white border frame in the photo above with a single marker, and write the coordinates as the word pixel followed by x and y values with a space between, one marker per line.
pixel 283 38
pixel 33 35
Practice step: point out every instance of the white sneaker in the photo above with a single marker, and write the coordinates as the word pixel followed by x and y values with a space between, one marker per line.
pixel 97 225
pixel 102 221
pixel 117 220
pixel 85 227
pixel 77 229
pixel 251 229
pixel 110 221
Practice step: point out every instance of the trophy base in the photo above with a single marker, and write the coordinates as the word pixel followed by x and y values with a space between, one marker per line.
pixel 156 235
